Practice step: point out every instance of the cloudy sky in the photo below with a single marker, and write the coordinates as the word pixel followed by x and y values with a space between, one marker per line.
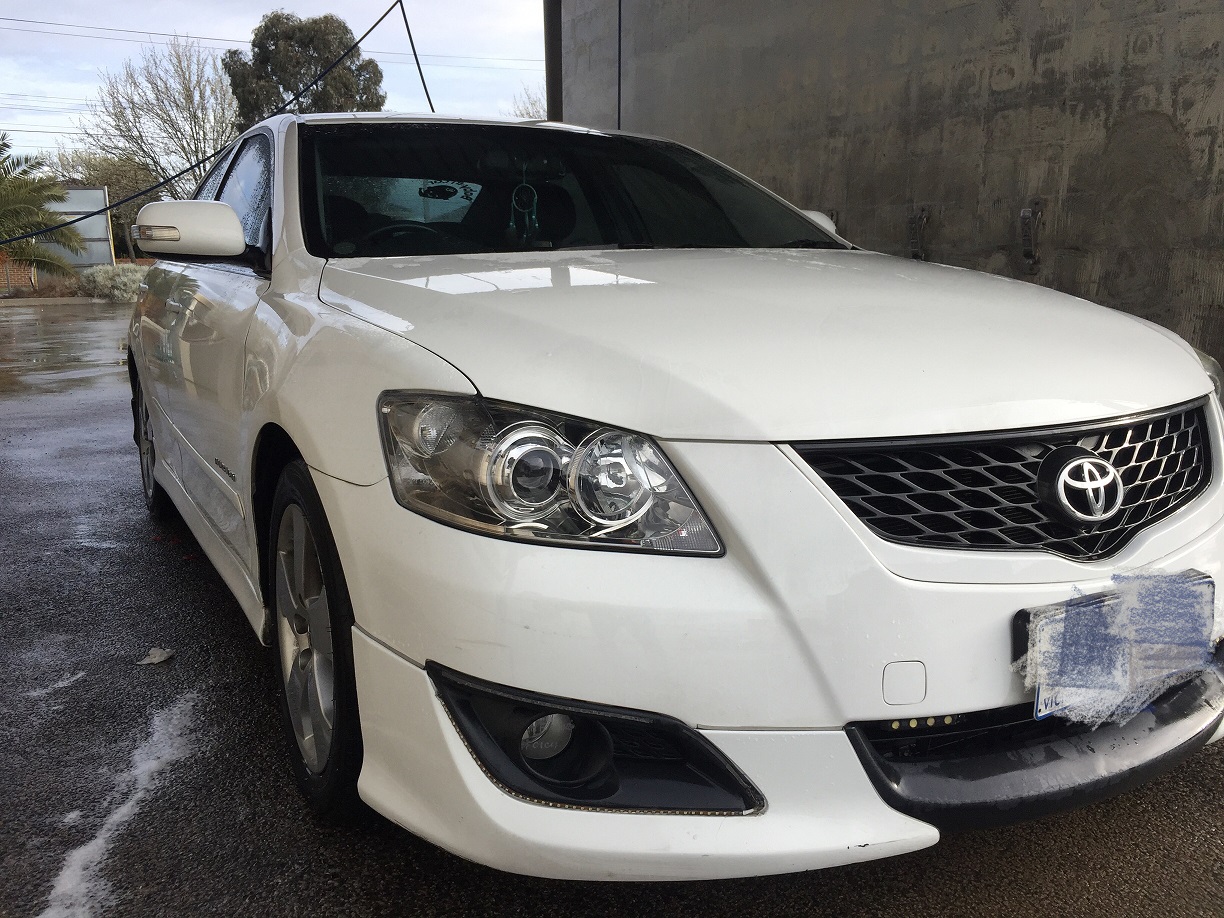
pixel 476 53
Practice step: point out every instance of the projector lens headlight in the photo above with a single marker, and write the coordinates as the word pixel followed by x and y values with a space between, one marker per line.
pixel 524 472
pixel 514 472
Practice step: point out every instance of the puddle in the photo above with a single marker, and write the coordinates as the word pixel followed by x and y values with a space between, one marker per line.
pixel 55 348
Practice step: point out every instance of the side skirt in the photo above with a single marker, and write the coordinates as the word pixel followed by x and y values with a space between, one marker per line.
pixel 231 569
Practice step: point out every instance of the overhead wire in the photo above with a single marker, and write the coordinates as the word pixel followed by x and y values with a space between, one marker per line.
pixel 233 41
pixel 412 44
pixel 380 54
pixel 34 95
pixel 207 159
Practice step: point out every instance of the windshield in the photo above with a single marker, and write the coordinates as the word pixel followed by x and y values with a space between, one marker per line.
pixel 428 189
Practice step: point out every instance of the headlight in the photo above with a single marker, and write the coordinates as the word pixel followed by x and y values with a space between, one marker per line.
pixel 514 472
pixel 1212 368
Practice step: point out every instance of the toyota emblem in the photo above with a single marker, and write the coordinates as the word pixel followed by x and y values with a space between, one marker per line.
pixel 1081 486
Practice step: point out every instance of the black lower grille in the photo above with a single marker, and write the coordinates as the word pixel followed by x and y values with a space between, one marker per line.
pixel 976 733
pixel 995 767
pixel 980 491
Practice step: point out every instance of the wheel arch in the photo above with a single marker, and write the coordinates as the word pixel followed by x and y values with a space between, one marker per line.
pixel 274 449
pixel 134 383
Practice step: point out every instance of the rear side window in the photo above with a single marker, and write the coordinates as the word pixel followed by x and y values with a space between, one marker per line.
pixel 248 187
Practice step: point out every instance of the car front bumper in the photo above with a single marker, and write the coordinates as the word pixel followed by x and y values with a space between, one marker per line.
pixel 822 810
pixel 769 651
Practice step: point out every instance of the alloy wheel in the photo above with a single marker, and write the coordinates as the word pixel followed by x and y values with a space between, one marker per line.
pixel 148 454
pixel 304 623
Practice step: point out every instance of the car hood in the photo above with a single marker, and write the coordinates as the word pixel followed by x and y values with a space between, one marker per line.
pixel 768 344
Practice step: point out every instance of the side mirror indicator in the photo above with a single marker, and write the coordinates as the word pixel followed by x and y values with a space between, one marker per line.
pixel 155 233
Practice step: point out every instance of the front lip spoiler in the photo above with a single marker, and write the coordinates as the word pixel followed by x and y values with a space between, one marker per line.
pixel 1013 785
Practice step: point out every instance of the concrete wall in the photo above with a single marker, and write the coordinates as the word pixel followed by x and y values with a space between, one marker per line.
pixel 1108 111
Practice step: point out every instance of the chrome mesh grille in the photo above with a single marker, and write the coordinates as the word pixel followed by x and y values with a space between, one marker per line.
pixel 981 492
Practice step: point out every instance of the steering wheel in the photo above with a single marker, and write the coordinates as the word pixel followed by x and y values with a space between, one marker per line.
pixel 399 227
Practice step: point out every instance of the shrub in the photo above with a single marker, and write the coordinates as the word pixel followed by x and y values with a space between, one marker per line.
pixel 58 287
pixel 119 284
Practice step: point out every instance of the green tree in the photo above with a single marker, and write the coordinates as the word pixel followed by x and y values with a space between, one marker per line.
pixel 26 188
pixel 287 52
pixel 121 176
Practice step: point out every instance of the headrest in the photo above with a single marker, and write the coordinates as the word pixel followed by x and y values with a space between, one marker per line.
pixel 555 212
pixel 345 217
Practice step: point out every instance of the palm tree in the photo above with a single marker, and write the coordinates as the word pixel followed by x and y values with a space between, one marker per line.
pixel 25 192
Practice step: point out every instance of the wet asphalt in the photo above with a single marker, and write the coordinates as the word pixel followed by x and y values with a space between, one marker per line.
pixel 164 789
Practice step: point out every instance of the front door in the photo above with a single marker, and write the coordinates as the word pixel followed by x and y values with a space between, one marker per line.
pixel 218 301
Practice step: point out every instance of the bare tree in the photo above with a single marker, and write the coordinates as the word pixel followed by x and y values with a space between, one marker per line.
pixel 163 113
pixel 530 104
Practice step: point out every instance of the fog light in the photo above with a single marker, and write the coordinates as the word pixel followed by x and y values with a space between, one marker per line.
pixel 546 737
pixel 567 752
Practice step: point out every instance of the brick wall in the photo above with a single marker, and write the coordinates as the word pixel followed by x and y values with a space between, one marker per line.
pixel 16 275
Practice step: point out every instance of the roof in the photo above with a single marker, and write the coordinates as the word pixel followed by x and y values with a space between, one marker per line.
pixel 425 118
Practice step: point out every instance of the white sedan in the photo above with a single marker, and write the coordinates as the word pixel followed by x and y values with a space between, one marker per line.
pixel 614 519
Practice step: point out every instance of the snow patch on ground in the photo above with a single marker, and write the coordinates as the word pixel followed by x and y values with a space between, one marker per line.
pixel 71 819
pixel 80 890
pixel 62 684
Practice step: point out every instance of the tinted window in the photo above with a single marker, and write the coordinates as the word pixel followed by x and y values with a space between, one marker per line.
pixel 404 189
pixel 424 198
pixel 248 187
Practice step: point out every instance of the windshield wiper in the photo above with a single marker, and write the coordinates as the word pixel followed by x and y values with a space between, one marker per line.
pixel 635 245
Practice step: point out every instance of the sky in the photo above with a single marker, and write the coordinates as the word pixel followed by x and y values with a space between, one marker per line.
pixel 476 54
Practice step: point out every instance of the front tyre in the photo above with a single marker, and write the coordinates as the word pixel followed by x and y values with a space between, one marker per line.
pixel 314 643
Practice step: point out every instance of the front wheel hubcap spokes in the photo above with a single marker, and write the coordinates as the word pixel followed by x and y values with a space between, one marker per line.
pixel 305 639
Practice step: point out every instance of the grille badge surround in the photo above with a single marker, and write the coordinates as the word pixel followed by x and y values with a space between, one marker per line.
pixel 1079 486
pixel 978 491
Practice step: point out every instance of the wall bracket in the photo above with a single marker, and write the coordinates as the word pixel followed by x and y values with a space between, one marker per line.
pixel 1031 219
pixel 917 230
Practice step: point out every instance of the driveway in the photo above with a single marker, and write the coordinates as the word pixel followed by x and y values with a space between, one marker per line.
pixel 163 789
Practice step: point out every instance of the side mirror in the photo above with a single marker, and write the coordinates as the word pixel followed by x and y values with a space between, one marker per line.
pixel 821 219
pixel 201 228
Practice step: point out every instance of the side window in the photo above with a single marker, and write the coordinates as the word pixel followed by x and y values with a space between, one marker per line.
pixel 248 187
pixel 212 181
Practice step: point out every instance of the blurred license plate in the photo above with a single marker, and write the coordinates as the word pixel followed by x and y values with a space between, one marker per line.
pixel 1094 649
